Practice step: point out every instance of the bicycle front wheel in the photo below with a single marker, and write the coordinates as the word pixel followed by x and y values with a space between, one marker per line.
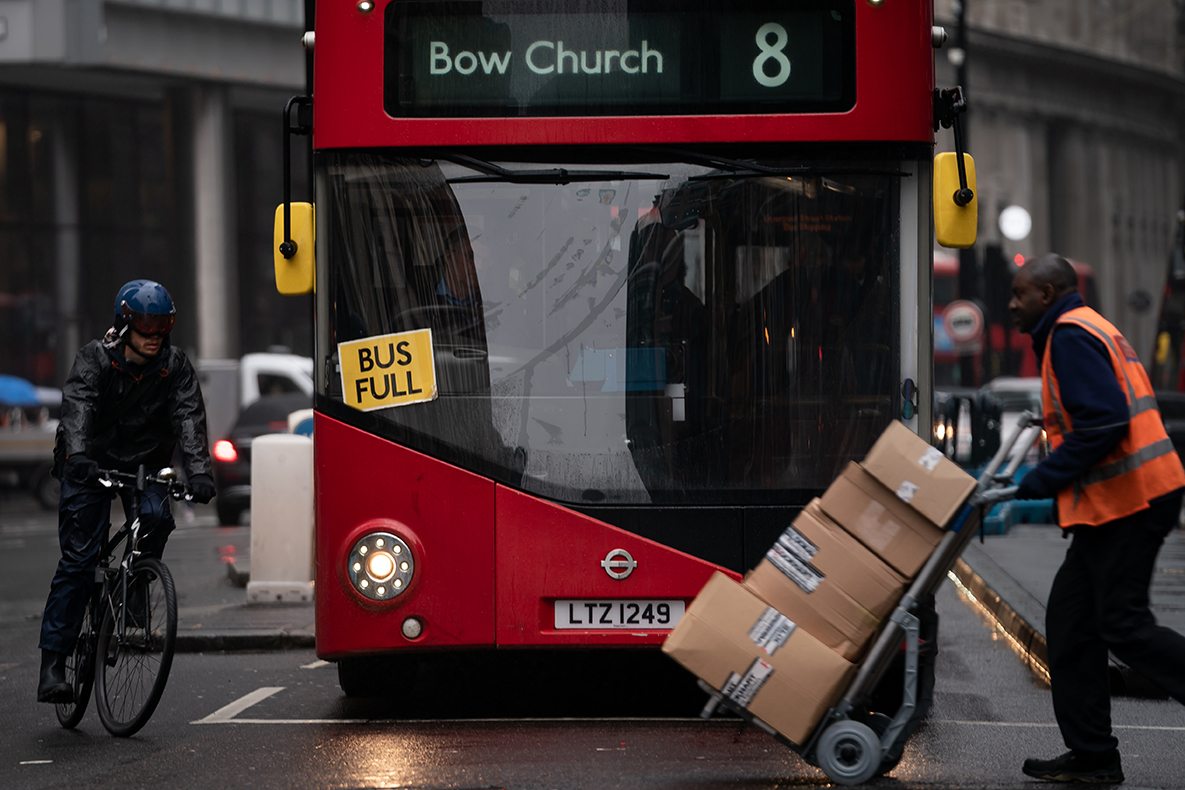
pixel 135 648
pixel 80 672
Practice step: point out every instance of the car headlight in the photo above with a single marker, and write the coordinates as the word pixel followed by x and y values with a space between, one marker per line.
pixel 380 566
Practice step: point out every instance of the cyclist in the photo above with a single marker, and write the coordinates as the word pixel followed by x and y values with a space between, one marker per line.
pixel 131 398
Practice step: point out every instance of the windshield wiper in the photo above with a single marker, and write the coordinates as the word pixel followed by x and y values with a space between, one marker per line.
pixel 742 169
pixel 762 172
pixel 553 175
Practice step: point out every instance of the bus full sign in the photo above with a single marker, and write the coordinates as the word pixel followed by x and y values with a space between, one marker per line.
pixel 509 58
pixel 388 370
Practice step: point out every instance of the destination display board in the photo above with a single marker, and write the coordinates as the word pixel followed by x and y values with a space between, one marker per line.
pixel 512 58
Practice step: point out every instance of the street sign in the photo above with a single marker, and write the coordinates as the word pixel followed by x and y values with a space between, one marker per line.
pixel 964 322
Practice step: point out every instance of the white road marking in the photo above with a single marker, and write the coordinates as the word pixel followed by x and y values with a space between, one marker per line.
pixel 36 762
pixel 227 712
pixel 575 720
pixel 315 665
pixel 1053 725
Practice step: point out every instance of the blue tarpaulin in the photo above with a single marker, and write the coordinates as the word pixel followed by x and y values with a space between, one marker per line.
pixel 15 391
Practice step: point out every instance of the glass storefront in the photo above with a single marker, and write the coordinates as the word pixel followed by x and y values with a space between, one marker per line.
pixel 96 191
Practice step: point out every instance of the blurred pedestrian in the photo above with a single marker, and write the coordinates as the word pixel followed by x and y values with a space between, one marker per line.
pixel 130 399
pixel 1118 484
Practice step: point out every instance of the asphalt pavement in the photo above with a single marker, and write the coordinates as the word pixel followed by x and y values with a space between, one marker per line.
pixel 210 564
pixel 240 712
pixel 1008 575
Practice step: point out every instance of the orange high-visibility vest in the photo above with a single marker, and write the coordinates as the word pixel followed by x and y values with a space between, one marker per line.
pixel 1142 466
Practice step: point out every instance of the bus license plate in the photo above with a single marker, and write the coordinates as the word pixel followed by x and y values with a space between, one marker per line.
pixel 652 615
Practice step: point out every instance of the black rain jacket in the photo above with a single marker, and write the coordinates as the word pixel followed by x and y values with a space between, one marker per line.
pixel 168 414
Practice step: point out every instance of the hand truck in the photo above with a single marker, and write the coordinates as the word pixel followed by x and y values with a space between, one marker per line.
pixel 850 744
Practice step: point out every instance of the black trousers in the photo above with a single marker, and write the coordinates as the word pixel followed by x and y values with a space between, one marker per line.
pixel 1099 601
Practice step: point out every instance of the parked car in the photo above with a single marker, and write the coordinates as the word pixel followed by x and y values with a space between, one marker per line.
pixel 231 385
pixel 232 454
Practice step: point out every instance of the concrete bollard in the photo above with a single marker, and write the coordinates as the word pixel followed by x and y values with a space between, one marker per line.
pixel 281 519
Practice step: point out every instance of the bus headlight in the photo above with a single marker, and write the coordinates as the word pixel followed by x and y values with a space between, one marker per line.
pixel 380 566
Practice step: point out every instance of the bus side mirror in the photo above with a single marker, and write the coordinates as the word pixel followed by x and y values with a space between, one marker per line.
pixel 295 274
pixel 954 225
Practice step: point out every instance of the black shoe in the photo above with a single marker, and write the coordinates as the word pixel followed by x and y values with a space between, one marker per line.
pixel 53 686
pixel 1071 767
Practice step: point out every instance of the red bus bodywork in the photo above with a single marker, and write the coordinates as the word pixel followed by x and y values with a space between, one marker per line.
pixel 490 559
pixel 894 101
pixel 481 549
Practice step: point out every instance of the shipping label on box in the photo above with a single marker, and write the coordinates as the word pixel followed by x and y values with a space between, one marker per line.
pixel 758 658
pixel 741 689
pixel 879 519
pixel 771 630
pixel 827 582
pixel 793 564
pixel 919 475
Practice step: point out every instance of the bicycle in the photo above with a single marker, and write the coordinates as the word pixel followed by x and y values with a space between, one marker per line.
pixel 129 629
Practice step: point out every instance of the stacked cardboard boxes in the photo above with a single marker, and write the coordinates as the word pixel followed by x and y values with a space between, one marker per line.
pixel 827 582
pixel 758 658
pixel 782 643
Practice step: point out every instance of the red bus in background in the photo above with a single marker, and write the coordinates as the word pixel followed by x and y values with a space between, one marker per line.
pixel 1003 350
pixel 603 299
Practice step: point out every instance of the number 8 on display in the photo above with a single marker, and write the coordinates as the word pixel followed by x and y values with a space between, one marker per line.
pixel 774 52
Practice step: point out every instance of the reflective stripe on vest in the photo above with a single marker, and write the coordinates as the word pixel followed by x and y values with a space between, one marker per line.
pixel 1145 458
pixel 1137 459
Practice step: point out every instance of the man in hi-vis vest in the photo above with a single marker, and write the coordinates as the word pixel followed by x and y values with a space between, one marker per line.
pixel 1117 482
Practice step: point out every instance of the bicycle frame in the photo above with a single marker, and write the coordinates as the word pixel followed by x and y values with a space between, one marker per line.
pixel 109 632
pixel 129 532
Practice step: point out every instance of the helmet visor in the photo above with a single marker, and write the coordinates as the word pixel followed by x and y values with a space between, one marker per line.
pixel 148 324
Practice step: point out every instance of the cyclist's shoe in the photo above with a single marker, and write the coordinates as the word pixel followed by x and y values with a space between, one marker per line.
pixel 1078 767
pixel 52 687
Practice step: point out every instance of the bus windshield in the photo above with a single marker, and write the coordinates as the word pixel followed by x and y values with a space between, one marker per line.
pixel 614 332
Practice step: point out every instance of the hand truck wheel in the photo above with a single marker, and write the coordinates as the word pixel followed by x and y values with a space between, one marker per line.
pixel 849 752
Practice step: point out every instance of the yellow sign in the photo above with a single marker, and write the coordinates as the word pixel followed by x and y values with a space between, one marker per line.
pixel 388 370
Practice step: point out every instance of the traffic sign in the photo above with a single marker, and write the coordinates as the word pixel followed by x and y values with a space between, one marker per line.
pixel 963 321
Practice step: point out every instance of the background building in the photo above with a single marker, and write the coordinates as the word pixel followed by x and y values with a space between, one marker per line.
pixel 1076 110
pixel 141 138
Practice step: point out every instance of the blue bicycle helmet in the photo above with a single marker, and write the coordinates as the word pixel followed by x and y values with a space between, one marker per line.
pixel 145 306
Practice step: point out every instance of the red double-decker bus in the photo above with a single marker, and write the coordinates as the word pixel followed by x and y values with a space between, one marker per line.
pixel 605 293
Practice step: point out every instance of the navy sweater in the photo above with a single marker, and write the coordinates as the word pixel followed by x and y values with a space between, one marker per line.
pixel 1091 398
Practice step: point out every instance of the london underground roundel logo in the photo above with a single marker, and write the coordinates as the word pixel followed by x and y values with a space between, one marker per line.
pixel 619 564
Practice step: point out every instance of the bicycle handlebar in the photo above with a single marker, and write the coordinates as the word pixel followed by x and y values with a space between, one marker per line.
pixel 113 478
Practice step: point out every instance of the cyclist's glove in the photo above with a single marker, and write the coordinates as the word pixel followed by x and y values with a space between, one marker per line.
pixel 202 488
pixel 81 469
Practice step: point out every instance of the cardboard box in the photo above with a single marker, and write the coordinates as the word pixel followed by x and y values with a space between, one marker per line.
pixel 828 582
pixel 758 658
pixel 871 513
pixel 920 475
